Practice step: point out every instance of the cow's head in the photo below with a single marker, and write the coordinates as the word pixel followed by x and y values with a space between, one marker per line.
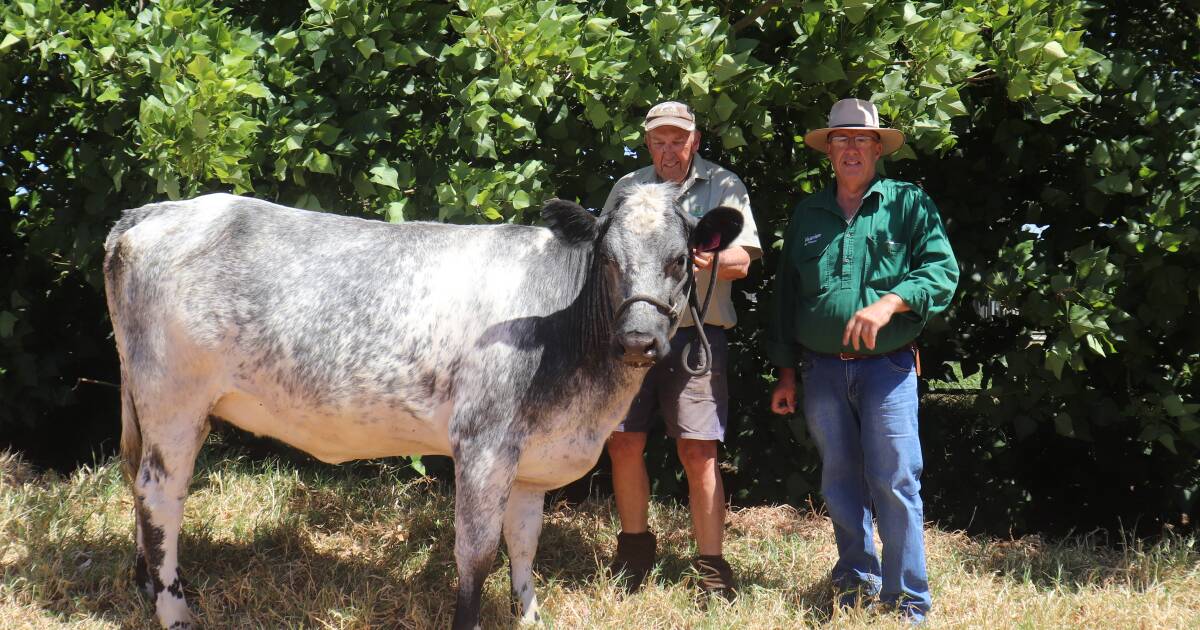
pixel 643 247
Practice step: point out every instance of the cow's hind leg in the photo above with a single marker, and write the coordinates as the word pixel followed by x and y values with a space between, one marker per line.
pixel 522 525
pixel 171 438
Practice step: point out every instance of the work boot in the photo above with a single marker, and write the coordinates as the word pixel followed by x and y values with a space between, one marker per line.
pixel 634 559
pixel 716 577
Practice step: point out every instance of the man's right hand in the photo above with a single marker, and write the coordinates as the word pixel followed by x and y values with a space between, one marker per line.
pixel 783 396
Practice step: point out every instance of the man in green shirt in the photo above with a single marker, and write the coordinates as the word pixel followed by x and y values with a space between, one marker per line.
pixel 865 264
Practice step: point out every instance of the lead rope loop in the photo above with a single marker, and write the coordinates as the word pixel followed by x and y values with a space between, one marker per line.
pixel 698 315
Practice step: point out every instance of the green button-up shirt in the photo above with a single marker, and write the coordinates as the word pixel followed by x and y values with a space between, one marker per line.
pixel 831 268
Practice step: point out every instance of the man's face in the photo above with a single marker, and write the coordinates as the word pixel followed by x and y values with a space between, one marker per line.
pixel 671 149
pixel 854 153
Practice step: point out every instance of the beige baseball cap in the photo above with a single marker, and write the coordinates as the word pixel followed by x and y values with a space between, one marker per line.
pixel 670 113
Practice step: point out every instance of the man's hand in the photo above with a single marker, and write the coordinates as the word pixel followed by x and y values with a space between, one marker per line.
pixel 734 263
pixel 864 326
pixel 783 396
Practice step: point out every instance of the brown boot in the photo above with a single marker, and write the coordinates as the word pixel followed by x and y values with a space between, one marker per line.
pixel 634 559
pixel 715 576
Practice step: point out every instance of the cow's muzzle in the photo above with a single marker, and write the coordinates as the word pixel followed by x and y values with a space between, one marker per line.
pixel 639 349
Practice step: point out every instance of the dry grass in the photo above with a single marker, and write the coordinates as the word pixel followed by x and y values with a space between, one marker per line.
pixel 272 545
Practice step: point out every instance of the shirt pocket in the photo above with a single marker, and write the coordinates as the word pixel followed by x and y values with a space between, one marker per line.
pixel 889 262
pixel 808 261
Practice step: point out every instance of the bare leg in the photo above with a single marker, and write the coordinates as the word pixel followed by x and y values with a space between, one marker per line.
pixel 705 491
pixel 631 484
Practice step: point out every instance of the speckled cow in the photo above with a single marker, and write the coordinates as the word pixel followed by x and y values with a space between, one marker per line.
pixel 515 350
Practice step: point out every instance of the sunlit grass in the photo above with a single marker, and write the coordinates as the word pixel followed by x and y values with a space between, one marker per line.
pixel 957 380
pixel 272 544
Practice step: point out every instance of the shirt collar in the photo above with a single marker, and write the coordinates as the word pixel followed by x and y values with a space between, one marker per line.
pixel 827 197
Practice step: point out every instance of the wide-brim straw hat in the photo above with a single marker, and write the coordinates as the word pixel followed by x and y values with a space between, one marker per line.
pixel 853 113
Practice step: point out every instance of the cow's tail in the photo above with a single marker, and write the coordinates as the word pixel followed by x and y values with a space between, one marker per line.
pixel 131 433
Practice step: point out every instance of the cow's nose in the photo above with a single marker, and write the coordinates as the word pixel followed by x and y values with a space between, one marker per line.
pixel 639 348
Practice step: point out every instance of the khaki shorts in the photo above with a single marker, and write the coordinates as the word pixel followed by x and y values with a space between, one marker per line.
pixel 693 407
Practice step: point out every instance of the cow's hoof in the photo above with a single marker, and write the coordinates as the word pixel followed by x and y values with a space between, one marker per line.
pixel 173 612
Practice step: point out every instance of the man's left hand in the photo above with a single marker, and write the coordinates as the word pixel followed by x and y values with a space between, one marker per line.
pixel 865 325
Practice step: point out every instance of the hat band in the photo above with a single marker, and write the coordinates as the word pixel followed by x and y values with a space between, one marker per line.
pixel 863 125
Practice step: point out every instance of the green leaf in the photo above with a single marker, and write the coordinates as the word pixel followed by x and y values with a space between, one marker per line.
pixel 596 113
pixel 417 465
pixel 951 104
pixel 366 47
pixel 698 81
pixel 732 138
pixel 1174 406
pixel 318 162
pixel 385 175
pixel 1116 183
pixel 477 120
pixel 910 14
pixel 856 10
pixel 520 200
pixel 7 321
pixel 1063 425
pixel 1019 87
pixel 395 210
pixel 285 42
pixel 9 40
pixel 725 68
pixel 829 70
pixel 256 90
pixel 1055 49
pixel 724 107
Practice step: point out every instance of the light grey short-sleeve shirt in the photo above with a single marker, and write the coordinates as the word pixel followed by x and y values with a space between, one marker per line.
pixel 707 186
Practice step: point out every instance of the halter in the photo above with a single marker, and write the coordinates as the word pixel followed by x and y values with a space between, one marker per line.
pixel 684 293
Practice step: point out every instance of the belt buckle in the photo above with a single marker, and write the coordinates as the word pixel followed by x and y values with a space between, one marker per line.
pixel 847 356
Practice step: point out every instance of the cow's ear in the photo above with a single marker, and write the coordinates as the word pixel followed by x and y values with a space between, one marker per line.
pixel 569 221
pixel 716 229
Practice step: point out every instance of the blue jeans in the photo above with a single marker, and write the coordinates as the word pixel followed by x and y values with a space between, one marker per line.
pixel 863 416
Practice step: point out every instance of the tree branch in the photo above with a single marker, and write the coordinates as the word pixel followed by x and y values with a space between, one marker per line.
pixel 758 12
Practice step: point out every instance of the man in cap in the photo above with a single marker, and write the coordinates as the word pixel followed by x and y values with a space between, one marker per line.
pixel 865 264
pixel 695 409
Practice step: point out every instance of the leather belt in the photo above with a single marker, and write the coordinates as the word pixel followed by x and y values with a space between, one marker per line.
pixel 855 356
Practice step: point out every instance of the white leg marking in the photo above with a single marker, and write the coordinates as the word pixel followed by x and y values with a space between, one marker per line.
pixel 522 525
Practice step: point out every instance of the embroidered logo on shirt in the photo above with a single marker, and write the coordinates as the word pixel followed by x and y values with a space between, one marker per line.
pixel 811 238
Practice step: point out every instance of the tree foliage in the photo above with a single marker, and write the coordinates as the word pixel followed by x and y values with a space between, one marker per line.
pixel 1056 113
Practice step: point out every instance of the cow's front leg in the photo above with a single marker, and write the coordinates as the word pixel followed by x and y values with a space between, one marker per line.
pixel 483 478
pixel 522 525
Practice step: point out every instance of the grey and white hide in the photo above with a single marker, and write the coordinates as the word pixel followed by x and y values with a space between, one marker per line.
pixel 499 346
